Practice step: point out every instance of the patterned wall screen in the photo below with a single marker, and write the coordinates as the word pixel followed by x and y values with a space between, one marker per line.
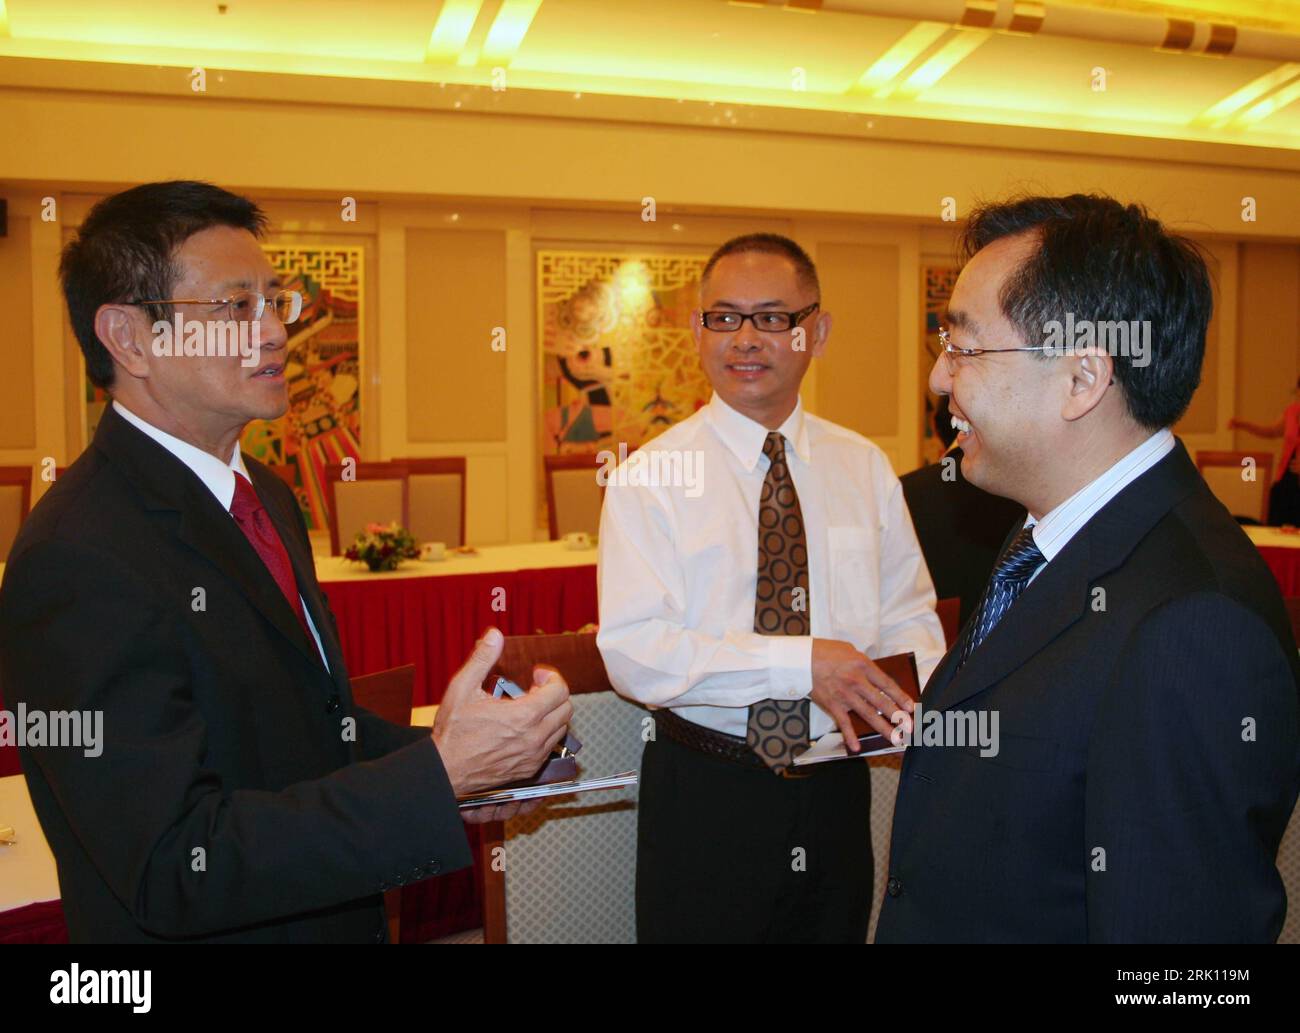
pixel 618 362
pixel 323 424
pixel 937 289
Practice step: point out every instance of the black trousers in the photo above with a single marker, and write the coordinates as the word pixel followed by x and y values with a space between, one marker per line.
pixel 732 854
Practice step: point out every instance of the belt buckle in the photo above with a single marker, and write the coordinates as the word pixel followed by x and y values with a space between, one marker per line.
pixel 793 772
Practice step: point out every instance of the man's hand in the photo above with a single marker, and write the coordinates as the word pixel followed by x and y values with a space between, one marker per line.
pixel 845 680
pixel 486 742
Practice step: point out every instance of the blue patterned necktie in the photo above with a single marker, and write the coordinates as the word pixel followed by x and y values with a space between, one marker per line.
pixel 1012 573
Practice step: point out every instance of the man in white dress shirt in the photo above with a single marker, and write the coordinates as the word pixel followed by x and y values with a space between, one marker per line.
pixel 742 603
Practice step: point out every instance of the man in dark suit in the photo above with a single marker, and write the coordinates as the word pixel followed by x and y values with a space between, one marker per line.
pixel 961 528
pixel 166 583
pixel 1131 657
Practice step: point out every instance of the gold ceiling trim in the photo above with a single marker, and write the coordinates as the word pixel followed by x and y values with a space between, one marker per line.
pixel 979 14
pixel 1179 34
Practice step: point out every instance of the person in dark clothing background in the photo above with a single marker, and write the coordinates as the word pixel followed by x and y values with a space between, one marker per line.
pixel 961 527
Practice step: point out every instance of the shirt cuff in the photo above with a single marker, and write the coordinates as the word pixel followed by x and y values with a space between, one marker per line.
pixel 789 664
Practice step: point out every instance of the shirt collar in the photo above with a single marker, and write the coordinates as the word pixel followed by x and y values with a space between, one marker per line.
pixel 217 477
pixel 1054 531
pixel 745 437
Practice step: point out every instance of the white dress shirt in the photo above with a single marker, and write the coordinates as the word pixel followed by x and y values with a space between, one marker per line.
pixel 678 566
pixel 1054 531
pixel 217 477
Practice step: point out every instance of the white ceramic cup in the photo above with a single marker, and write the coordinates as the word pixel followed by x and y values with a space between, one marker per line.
pixel 433 551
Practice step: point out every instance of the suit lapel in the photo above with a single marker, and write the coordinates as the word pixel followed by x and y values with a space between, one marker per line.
pixel 1060 595
pixel 1056 599
pixel 167 484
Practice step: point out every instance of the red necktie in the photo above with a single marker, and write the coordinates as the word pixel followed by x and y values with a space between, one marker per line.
pixel 253 520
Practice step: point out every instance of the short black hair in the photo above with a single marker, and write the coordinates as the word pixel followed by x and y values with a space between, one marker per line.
pixel 769 244
pixel 126 250
pixel 1101 260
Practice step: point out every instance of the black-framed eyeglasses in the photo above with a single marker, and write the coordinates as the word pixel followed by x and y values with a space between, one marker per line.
pixel 244 306
pixel 724 321
pixel 952 353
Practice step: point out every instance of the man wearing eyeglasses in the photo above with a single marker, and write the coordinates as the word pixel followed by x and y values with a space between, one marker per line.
pixel 166 583
pixel 743 606
pixel 1131 641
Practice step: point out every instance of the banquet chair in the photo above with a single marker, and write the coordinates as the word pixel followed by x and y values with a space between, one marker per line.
pixel 565 873
pixel 390 695
pixel 15 502
pixel 377 495
pixel 573 497
pixel 1223 472
pixel 436 491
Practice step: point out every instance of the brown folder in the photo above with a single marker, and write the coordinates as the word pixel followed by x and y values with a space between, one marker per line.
pixel 902 668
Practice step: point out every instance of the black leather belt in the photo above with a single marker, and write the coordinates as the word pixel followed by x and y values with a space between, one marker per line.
pixel 716 744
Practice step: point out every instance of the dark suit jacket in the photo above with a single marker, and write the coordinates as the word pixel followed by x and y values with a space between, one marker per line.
pixel 961 529
pixel 231 801
pixel 1125 804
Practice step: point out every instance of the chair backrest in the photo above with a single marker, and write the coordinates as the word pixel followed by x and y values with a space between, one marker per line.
pixel 376 495
pixel 573 497
pixel 390 695
pixel 436 499
pixel 569 872
pixel 1226 474
pixel 949 611
pixel 15 502
pixel 387 693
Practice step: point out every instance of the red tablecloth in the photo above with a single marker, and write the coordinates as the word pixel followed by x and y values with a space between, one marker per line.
pixel 1285 565
pixel 35 923
pixel 433 623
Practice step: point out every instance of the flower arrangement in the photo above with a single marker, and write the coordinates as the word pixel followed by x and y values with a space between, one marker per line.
pixel 383 546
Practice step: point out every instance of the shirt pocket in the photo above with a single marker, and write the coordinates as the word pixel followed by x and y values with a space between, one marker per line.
pixel 854 580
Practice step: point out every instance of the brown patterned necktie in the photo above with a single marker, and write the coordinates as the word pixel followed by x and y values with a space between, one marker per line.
pixel 778 729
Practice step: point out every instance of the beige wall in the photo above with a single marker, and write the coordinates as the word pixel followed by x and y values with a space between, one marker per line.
pixel 1268 345
pixel 453 206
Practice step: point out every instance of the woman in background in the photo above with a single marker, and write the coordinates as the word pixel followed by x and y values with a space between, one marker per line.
pixel 1284 496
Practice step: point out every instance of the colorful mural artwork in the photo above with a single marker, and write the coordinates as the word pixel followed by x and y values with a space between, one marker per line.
pixel 323 424
pixel 618 361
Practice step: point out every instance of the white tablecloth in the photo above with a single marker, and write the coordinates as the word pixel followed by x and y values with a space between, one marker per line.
pixel 27 873
pixel 490 560
pixel 1272 538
